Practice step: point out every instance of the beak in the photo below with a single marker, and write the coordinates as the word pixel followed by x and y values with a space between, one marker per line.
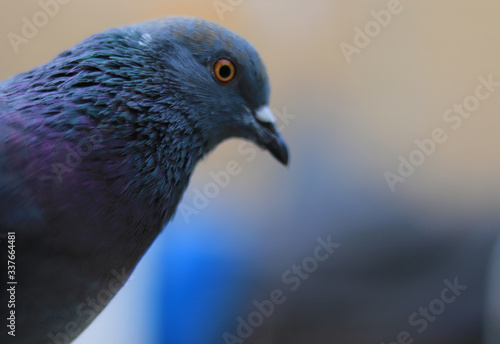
pixel 269 137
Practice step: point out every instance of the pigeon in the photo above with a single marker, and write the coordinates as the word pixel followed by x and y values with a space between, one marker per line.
pixel 96 149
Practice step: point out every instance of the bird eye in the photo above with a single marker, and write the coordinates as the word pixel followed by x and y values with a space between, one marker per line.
pixel 224 70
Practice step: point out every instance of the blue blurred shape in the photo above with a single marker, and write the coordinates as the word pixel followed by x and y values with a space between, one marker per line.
pixel 201 279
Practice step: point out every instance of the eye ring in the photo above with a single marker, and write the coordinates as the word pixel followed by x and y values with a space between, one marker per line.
pixel 224 70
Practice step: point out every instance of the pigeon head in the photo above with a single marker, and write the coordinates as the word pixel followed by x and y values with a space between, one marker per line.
pixel 176 72
pixel 219 79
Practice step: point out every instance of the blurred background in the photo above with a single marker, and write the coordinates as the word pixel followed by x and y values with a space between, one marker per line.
pixel 354 85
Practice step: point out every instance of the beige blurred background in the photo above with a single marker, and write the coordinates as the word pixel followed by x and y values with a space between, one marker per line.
pixel 395 91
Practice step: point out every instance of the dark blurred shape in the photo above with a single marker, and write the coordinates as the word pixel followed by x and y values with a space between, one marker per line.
pixel 387 283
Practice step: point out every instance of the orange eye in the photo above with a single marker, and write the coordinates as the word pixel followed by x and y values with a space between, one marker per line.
pixel 224 70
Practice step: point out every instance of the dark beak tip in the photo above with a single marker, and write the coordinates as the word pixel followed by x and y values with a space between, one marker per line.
pixel 279 150
pixel 284 158
pixel 270 139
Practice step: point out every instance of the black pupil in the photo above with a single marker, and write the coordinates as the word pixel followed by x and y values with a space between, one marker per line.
pixel 225 72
